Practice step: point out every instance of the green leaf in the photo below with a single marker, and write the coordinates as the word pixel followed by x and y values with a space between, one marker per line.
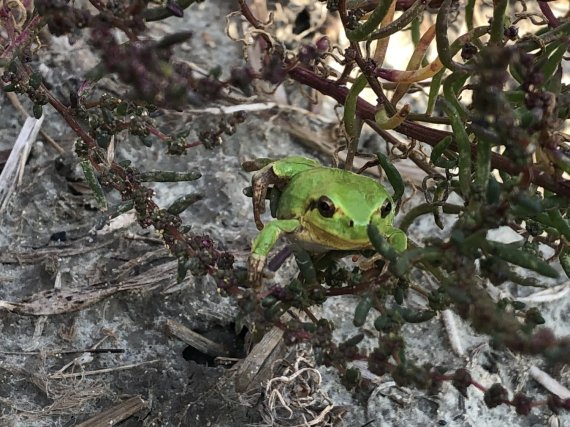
pixel 393 176
pixel 515 97
pixel 10 87
pixel 363 30
pixel 35 80
pixel 362 310
pixel 553 62
pixel 37 111
pixel 182 270
pixel 554 83
pixel 463 146
pixel 517 71
pixel 182 203
pixel 384 323
pixel 405 262
pixel 146 140
pixel 521 258
pixel 493 191
pixel 437 153
pixel 416 316
pixel 351 121
pixel 381 244
pixel 434 87
pixel 168 176
pixel 560 223
pixel 94 184
pixel 451 86
pixel 352 377
pixel 524 204
pixel 555 202
pixel 122 109
pixel 305 264
pixel 114 213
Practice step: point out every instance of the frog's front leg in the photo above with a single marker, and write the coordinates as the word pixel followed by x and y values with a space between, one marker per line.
pixel 277 173
pixel 260 181
pixel 263 244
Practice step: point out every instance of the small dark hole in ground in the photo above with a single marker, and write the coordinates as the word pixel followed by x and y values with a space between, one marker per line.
pixel 190 353
pixel 60 236
pixel 223 335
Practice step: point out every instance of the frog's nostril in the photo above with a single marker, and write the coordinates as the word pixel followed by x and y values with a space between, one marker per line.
pixel 351 223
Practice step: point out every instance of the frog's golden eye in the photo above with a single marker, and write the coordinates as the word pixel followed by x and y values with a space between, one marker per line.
pixel 386 208
pixel 326 207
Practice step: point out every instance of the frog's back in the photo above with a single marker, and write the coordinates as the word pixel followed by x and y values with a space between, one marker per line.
pixel 353 192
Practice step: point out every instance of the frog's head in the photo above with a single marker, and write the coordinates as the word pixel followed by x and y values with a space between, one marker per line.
pixel 339 217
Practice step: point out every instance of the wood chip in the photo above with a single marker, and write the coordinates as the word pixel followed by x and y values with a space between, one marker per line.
pixel 14 167
pixel 35 256
pixel 116 414
pixel 256 369
pixel 65 300
pixel 549 383
pixel 81 374
pixel 194 339
pixel 68 300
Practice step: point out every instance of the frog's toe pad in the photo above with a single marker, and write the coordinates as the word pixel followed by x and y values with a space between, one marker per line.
pixel 255 269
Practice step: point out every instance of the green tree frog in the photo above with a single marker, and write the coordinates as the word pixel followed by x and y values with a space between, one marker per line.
pixel 320 208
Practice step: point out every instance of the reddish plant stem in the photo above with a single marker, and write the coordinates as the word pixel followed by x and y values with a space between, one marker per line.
pixel 158 133
pixel 310 315
pixel 118 170
pixel 108 16
pixel 176 238
pixel 413 155
pixel 193 144
pixel 69 119
pixel 547 12
pixel 362 64
pixel 246 11
pixel 372 80
pixel 353 290
pixel 345 73
pixel 422 133
pixel 24 38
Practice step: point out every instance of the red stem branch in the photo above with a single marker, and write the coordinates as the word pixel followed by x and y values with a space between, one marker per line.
pixel 422 133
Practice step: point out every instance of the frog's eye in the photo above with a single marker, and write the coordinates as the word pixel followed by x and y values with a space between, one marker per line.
pixel 386 208
pixel 326 207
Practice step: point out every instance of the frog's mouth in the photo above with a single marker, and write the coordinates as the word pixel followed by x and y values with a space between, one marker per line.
pixel 313 238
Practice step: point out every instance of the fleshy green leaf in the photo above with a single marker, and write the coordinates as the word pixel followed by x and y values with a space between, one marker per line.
pixel 393 176
pixel 362 310
pixel 182 203
pixel 381 244
pixel 94 184
pixel 521 258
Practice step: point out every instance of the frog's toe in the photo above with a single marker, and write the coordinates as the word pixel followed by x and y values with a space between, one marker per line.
pixel 255 270
pixel 258 222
